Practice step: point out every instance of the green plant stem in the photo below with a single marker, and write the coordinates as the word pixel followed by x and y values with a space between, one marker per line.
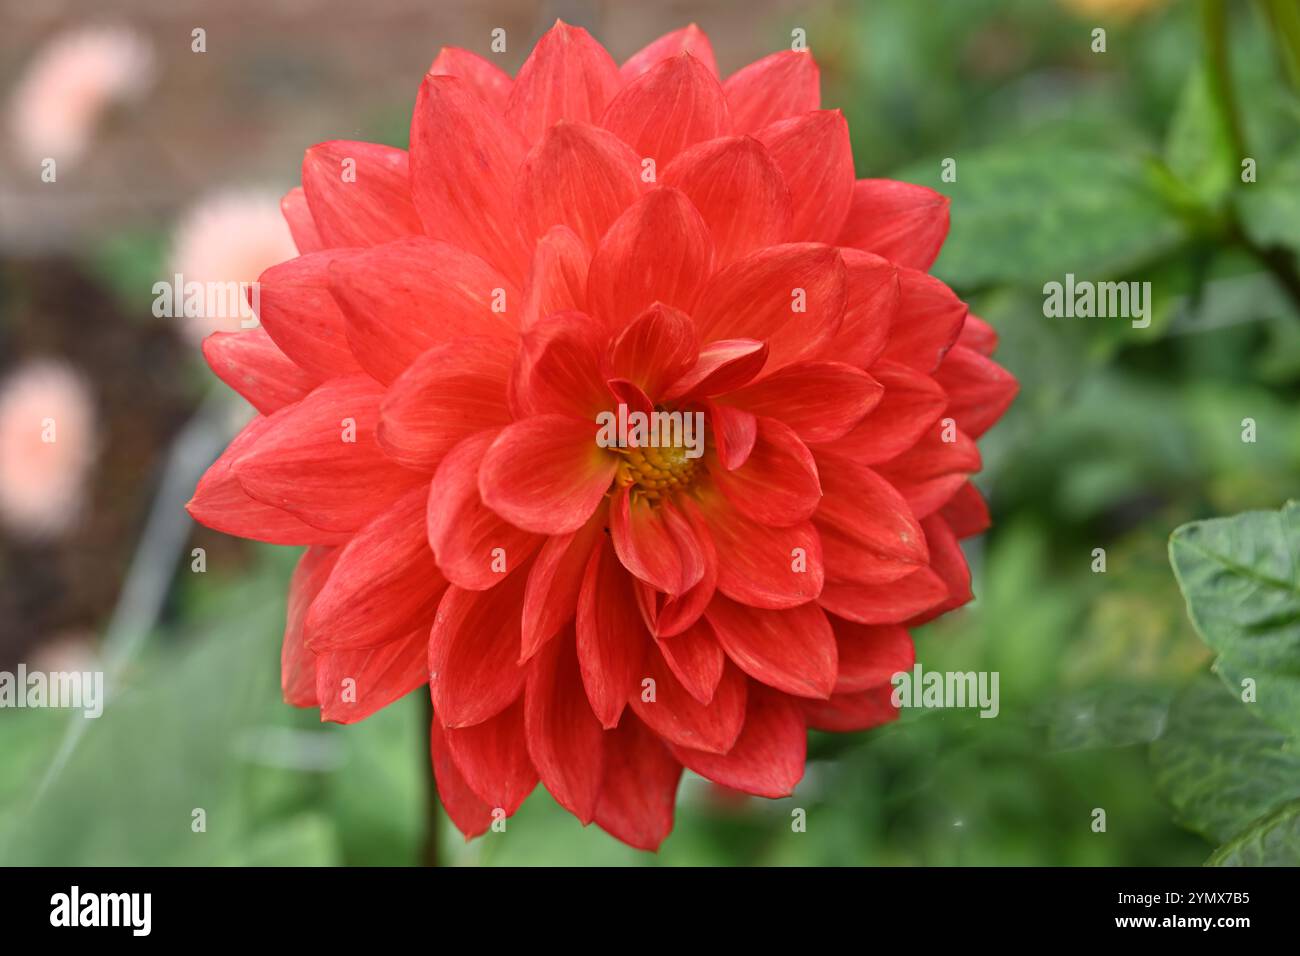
pixel 432 821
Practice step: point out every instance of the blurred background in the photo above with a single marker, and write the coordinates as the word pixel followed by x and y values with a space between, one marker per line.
pixel 1117 163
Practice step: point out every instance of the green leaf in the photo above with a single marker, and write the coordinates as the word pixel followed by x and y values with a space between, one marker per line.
pixel 1273 841
pixel 1028 214
pixel 1270 206
pixel 1240 577
pixel 1198 148
pixel 1112 715
pixel 1220 765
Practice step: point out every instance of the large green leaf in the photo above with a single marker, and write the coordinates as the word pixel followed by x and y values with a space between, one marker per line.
pixel 1273 841
pixel 1198 148
pixel 1240 577
pixel 1270 206
pixel 1220 765
pixel 1028 214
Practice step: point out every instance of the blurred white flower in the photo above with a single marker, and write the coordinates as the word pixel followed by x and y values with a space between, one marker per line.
pixel 47 445
pixel 230 237
pixel 70 83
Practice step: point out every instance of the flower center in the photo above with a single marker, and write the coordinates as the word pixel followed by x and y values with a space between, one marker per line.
pixel 656 471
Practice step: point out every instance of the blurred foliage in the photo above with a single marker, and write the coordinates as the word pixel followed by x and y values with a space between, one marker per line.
pixel 1122 165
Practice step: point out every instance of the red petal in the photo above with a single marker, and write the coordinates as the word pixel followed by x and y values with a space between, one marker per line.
pixel 738 190
pixel 760 562
pixel 251 364
pixel 558 279
pixel 774 88
pixel 475 548
pixel 848 712
pixel 672 106
pixel 488 80
pixel 677 717
pixel 319 461
pixel 932 471
pixel 791 297
pixel 301 226
pixel 696 658
pixel 221 503
pixel 874 294
pixel 980 389
pixel 449 393
pixel 666 615
pixel 867 530
pixel 870 655
pixel 403 298
pixel 384 586
pixel 658 251
pixel 721 367
pixel 352 685
pixel 690 39
pixel 949 563
pixel 565 740
pixel 546 473
pixel 900 221
pixel 821 401
pixel 816 160
pixel 298 312
pixel 792 650
pixel 611 637
pixel 578 176
pixel 551 598
pixel 463 165
pixel 930 316
pixel 966 513
pixel 470 814
pixel 559 368
pixel 474 651
pixel 768 759
pixel 655 351
pixel 639 789
pixel 568 76
pixel 297 662
pixel 978 335
pixel 359 193
pixel 777 485
pixel 735 431
pixel 493 758
pixel 885 603
pixel 655 543
pixel 909 408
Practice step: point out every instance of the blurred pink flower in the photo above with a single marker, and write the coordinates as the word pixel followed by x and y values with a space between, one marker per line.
pixel 47 444
pixel 69 85
pixel 230 237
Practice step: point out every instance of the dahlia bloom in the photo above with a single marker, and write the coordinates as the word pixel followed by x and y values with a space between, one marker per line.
pixel 72 81
pixel 47 447
pixel 431 369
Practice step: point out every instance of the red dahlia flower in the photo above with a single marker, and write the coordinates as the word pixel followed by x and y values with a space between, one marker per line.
pixel 431 371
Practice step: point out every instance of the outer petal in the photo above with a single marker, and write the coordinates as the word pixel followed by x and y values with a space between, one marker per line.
pixel 696 658
pixel 551 598
pixel 301 226
pixel 578 176
pixel 816 158
pixel 565 740
pixel 352 685
pixel 403 298
pixel 359 194
pixel 463 165
pixel 474 547
pixel 739 191
pixel 966 513
pixel 870 655
pixel 493 758
pixel 690 39
pixel 568 76
pixel 297 662
pixel 980 389
pixel 611 637
pixel 950 564
pixel 933 470
pixel 470 814
pixel 473 653
pixel 384 586
pixel 900 221
pixel 768 759
pixel 870 309
pixel 791 297
pixel 659 250
pixel 319 461
pixel 676 716
pixel 298 312
pixel 671 107
pixel 930 317
pixel 489 81
pixel 891 603
pixel 867 530
pixel 221 503
pixel 844 713
pixel 911 404
pixel 639 789
pixel 978 335
pixel 821 401
pixel 777 87
pixel 792 650
pixel 778 483
pixel 251 364
pixel 449 393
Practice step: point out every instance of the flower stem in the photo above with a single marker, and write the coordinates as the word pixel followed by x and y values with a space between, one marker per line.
pixel 429 851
